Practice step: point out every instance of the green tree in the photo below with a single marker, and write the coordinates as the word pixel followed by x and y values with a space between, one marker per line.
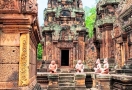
pixel 39 51
pixel 90 16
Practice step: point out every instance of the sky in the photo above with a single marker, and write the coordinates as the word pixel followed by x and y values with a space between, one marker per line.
pixel 42 4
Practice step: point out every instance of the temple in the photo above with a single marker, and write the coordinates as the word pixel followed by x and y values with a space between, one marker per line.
pixel 66 46
pixel 64 32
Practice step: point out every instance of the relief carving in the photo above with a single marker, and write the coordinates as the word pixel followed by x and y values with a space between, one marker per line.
pixel 49 50
pixel 65 45
pixel 9 39
pixel 24 60
pixel 31 6
pixel 9 5
pixel 118 55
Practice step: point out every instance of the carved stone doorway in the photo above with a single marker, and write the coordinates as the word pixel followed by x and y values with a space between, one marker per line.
pixel 64 57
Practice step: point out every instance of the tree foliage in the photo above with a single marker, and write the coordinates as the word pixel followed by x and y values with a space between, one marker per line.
pixel 39 51
pixel 90 16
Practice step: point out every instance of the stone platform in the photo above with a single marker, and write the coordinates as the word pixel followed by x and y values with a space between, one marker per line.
pixel 65 81
pixel 84 81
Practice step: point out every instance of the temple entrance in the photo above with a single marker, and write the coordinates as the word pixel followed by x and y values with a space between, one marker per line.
pixel 64 57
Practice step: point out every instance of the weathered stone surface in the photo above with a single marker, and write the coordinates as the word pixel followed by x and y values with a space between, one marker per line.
pixel 9 55
pixel 80 80
pixel 9 72
pixel 9 85
pixel 32 70
pixel 104 82
pixel 53 81
pixel 10 39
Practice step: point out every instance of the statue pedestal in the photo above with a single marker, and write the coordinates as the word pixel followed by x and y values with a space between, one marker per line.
pixel 103 81
pixel 94 80
pixel 53 81
pixel 80 81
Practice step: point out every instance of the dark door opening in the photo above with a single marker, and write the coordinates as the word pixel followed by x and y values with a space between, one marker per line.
pixel 64 57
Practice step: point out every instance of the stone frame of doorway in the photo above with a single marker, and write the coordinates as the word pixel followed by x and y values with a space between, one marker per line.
pixel 61 49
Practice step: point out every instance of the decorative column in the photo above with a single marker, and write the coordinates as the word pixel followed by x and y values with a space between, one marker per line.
pixel 24 60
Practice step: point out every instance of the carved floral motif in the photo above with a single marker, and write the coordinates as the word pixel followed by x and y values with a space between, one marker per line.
pixel 65 45
pixel 7 4
pixel 24 60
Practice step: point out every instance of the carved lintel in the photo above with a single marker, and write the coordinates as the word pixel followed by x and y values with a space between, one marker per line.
pixel 24 60
pixel 65 45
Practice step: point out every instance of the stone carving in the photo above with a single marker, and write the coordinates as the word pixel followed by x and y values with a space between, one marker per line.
pixel 23 6
pixel 65 45
pixel 31 6
pixel 118 55
pixel 97 69
pixel 79 66
pixel 9 39
pixel 49 50
pixel 8 4
pixel 105 69
pixel 63 30
pixel 24 60
pixel 53 67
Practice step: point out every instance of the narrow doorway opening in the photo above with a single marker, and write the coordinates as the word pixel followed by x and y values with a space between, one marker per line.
pixel 64 57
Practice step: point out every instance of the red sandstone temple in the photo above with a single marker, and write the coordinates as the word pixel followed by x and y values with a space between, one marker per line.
pixel 64 32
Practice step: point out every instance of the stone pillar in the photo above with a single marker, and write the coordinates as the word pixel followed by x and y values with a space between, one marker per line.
pixel 74 56
pixel 24 60
pixel 48 46
pixel 103 81
pixel 9 59
pixel 94 80
pixel 108 40
pixel 81 45
pixel 53 81
pixel 80 81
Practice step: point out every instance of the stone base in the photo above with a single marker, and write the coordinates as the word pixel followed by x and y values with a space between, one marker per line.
pixel 103 81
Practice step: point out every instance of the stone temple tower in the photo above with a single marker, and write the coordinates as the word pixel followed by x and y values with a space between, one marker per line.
pixel 64 32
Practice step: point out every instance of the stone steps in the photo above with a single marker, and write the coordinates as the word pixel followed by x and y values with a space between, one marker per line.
pixel 66 81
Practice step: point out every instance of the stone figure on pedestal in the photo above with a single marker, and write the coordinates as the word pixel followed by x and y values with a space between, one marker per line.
pixel 105 69
pixel 97 69
pixel 53 67
pixel 79 66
